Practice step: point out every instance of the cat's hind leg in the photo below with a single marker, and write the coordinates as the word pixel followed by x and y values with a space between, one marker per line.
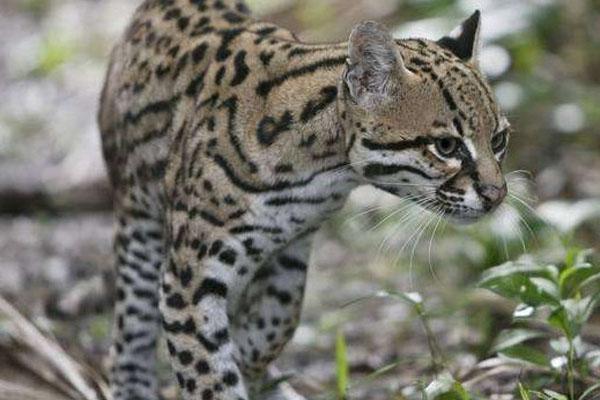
pixel 139 251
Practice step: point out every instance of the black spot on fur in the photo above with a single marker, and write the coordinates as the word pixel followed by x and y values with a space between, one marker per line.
pixel 328 95
pixel 269 128
pixel 207 394
pixel 230 378
pixel 241 68
pixel 228 257
pixel 176 301
pixel 227 36
pixel 209 286
pixel 202 367
pixel 219 75
pixel 265 57
pixel 199 52
pixel 185 357
pixel 215 247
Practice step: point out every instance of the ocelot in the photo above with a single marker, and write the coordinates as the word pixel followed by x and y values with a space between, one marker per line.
pixel 229 141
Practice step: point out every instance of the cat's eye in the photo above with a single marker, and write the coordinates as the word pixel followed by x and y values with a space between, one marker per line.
pixel 499 141
pixel 446 146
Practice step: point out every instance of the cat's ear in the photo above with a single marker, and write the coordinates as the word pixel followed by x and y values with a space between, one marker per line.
pixel 374 63
pixel 464 40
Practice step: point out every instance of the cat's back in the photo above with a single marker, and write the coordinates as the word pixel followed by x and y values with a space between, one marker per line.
pixel 171 51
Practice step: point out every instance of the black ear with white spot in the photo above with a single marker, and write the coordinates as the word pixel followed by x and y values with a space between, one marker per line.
pixel 464 40
pixel 374 63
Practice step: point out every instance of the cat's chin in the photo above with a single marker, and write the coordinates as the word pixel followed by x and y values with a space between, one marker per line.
pixel 465 218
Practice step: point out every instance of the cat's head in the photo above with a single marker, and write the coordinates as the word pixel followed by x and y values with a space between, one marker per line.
pixel 421 121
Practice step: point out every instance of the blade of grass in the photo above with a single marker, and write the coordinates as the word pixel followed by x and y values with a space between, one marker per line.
pixel 523 392
pixel 590 391
pixel 341 362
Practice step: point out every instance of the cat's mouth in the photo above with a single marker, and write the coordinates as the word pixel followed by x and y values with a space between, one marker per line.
pixel 459 214
pixel 456 213
pixel 464 215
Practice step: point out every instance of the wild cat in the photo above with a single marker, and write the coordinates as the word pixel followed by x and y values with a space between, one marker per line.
pixel 229 142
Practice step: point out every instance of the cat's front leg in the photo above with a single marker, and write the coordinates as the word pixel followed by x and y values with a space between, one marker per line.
pixel 201 282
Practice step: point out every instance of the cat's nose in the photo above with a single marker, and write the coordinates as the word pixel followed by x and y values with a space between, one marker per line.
pixel 492 194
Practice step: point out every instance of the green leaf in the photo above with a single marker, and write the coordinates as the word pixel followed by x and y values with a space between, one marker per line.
pixel 560 319
pixel 572 256
pixel 582 256
pixel 341 362
pixel 445 387
pixel 571 280
pixel 520 283
pixel 511 337
pixel 573 314
pixel 554 395
pixel 578 270
pixel 546 286
pixel 526 354
pixel 525 267
pixel 456 393
pixel 523 392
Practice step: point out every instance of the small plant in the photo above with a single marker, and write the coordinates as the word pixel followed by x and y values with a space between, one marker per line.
pixel 558 300
pixel 443 387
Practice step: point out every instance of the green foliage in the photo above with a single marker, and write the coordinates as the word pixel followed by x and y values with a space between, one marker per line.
pixel 559 296
pixel 526 51
pixel 54 52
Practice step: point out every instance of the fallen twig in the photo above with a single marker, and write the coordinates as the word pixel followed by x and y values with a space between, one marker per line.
pixel 83 381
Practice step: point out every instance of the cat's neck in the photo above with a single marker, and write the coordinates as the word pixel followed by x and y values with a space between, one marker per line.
pixel 310 86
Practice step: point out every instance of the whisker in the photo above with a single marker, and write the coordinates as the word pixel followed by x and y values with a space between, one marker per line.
pixel 405 203
pixel 523 220
pixel 422 212
pixel 523 203
pixel 518 189
pixel 519 234
pixel 407 220
pixel 439 220
pixel 501 239
pixel 418 232
pixel 361 213
pixel 390 215
pixel 404 220
pixel 430 219
pixel 519 171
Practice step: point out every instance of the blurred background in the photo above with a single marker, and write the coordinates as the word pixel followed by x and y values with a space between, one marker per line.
pixel 543 60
